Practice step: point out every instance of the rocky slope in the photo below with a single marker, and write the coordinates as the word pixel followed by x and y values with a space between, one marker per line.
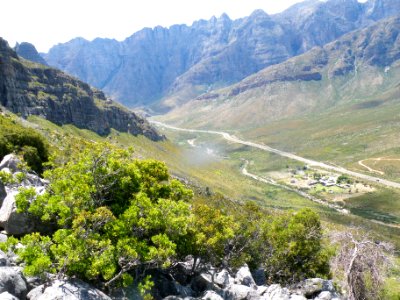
pixel 29 88
pixel 29 52
pixel 181 62
pixel 356 67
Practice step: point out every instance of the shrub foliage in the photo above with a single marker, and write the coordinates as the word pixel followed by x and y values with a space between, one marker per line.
pixel 114 217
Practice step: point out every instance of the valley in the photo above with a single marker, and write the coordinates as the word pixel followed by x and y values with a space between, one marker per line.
pixel 170 163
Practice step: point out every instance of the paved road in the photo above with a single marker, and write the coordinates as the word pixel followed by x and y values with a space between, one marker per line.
pixel 309 162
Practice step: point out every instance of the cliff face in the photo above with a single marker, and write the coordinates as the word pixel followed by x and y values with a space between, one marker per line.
pixel 361 65
pixel 29 88
pixel 181 62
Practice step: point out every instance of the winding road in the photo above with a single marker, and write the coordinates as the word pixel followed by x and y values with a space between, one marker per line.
pixel 309 162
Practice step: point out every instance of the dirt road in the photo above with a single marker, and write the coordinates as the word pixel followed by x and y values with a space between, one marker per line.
pixel 309 162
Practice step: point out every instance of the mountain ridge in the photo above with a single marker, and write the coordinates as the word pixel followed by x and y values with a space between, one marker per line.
pixel 360 65
pixel 178 63
pixel 29 88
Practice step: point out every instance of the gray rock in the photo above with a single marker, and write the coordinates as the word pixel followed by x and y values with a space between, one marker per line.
pixel 67 289
pixel 237 292
pixel 223 278
pixel 276 292
pixel 202 283
pixel 259 276
pixel 3 193
pixel 261 289
pixel 3 238
pixel 184 291
pixel 12 281
pixel 3 259
pixel 312 287
pixel 12 162
pixel 14 223
pixel 325 295
pixel 244 277
pixel 211 295
pixel 7 296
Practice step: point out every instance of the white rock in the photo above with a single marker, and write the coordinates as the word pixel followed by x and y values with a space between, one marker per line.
pixel 297 297
pixel 244 277
pixel 223 278
pixel 211 295
pixel 262 289
pixel 237 292
pixel 67 290
pixel 10 161
pixel 325 295
pixel 276 292
pixel 12 281
pixel 7 296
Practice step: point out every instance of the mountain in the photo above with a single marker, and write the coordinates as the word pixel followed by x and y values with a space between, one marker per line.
pixel 361 66
pixel 29 52
pixel 179 63
pixel 28 88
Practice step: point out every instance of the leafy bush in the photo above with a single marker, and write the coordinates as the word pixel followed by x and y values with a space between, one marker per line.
pixel 295 247
pixel 25 141
pixel 114 217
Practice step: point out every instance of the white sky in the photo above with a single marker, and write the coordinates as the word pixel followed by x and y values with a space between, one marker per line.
pixel 45 23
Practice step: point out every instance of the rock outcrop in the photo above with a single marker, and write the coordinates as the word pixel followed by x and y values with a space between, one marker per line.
pixel 29 52
pixel 12 222
pixel 28 88
pixel 66 289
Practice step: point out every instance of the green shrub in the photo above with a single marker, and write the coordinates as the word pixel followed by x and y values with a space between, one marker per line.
pixel 24 141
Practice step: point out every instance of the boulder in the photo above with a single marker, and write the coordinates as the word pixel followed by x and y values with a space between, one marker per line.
pixel 223 278
pixel 7 296
pixel 16 223
pixel 237 292
pixel 244 277
pixel 327 295
pixel 312 287
pixel 3 238
pixel 276 292
pixel 3 193
pixel 211 295
pixel 13 282
pixel 3 259
pixel 202 283
pixel 12 162
pixel 67 289
pixel 259 276
pixel 184 291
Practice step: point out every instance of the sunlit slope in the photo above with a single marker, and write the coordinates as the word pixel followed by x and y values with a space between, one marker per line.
pixel 362 67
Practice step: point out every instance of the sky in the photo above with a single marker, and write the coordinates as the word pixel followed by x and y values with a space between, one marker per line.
pixel 45 23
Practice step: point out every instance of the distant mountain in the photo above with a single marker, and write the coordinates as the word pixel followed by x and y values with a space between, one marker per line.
pixel 29 88
pixel 29 52
pixel 181 62
pixel 361 66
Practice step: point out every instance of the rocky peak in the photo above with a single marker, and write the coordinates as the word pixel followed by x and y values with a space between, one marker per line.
pixel 29 52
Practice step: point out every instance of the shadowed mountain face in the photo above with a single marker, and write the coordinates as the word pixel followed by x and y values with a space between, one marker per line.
pixel 29 52
pixel 29 88
pixel 181 62
pixel 362 66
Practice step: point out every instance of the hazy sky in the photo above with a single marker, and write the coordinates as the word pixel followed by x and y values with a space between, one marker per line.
pixel 48 22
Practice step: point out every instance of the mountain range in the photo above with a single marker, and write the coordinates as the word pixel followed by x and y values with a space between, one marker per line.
pixel 164 67
pixel 360 67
